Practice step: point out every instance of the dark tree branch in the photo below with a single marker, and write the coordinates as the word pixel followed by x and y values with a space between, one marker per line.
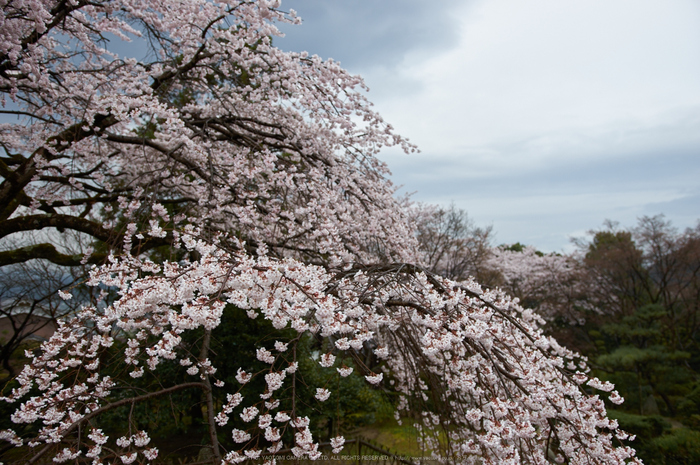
pixel 48 252
pixel 36 222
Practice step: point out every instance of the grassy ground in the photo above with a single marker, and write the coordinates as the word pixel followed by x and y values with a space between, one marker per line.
pixel 400 439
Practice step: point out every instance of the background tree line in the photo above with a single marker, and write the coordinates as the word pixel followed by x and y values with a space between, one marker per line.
pixel 628 299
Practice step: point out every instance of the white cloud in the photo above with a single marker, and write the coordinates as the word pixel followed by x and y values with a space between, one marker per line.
pixel 526 69
pixel 542 117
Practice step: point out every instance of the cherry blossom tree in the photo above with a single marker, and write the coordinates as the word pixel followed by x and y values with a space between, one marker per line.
pixel 221 172
pixel 552 284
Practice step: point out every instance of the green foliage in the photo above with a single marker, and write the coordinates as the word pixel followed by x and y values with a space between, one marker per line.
pixel 643 335
pixel 353 402
pixel 680 447
pixel 657 442
pixel 646 428
pixel 608 241
pixel 148 130
pixel 636 355
pixel 518 247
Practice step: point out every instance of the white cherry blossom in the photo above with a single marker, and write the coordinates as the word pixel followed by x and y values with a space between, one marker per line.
pixel 322 394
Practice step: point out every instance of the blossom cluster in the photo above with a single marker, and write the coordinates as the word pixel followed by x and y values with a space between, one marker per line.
pixel 549 283
pixel 509 388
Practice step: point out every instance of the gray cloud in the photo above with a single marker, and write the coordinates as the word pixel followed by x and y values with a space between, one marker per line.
pixel 546 206
pixel 362 34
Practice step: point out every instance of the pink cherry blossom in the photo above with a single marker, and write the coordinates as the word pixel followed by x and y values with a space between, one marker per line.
pixel 322 394
pixel 327 360
pixel 375 378
pixel 337 444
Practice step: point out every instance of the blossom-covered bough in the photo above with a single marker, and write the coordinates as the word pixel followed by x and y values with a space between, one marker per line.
pixel 220 172
pixel 550 283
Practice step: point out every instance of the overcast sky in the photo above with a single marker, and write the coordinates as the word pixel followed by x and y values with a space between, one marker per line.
pixel 541 118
